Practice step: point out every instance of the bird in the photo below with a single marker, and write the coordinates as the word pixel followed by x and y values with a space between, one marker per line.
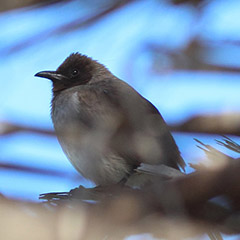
pixel 104 126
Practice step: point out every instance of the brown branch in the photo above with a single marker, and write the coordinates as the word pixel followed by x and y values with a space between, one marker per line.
pixel 203 185
pixel 222 124
pixel 192 2
pixel 35 170
pixel 173 209
pixel 225 124
pixel 9 5
pixel 85 221
pixel 191 58
pixel 182 197
pixel 9 128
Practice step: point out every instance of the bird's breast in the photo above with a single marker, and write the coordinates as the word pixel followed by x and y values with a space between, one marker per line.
pixel 86 144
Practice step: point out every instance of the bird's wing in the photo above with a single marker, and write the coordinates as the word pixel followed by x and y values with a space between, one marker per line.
pixel 137 123
pixel 168 143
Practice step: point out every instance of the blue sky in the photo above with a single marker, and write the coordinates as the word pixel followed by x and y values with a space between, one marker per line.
pixel 117 41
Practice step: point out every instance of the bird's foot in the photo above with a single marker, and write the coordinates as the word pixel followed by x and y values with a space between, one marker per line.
pixel 94 194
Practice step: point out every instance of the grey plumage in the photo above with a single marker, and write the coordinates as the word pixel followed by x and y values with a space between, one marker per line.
pixel 104 126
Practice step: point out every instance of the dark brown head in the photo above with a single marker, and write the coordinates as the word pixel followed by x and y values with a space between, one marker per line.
pixel 77 69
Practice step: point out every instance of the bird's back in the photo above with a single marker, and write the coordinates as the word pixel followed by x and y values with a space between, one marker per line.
pixel 143 134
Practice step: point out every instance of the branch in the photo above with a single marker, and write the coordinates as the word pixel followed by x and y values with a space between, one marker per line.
pixel 40 171
pixel 9 128
pixel 9 5
pixel 174 209
pixel 225 124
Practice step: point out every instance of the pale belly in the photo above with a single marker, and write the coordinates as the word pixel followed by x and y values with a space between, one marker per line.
pixel 87 147
pixel 102 169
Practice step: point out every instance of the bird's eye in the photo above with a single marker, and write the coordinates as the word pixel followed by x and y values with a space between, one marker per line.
pixel 74 72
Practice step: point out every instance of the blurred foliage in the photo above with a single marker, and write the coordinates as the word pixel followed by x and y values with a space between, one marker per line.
pixel 194 55
pixel 189 211
pixel 192 2
pixel 13 4
pixel 178 208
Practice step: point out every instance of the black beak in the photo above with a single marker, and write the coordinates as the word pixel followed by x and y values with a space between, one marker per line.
pixel 52 75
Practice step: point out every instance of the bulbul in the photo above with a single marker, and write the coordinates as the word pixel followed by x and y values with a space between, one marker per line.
pixel 105 127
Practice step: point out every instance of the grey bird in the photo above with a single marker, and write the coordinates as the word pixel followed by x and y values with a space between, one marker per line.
pixel 105 127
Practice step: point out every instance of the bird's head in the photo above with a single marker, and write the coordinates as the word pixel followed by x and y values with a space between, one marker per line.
pixel 77 69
